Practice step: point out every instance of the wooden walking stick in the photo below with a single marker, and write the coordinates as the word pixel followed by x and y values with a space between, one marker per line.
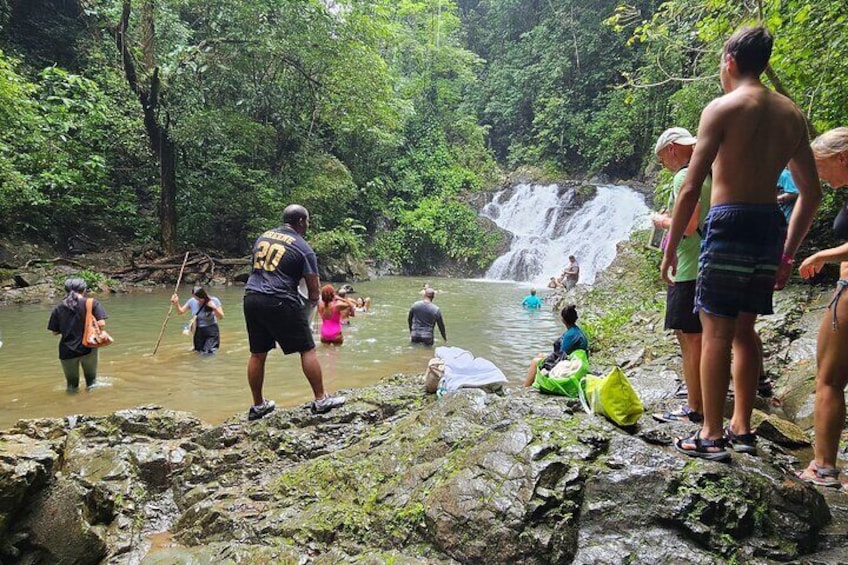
pixel 171 307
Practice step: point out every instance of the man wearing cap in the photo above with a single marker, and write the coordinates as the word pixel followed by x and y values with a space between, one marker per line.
pixel 674 149
pixel 422 318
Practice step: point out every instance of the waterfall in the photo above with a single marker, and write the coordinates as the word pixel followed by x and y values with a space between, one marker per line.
pixel 548 227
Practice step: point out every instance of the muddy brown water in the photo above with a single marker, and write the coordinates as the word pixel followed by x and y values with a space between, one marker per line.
pixel 482 316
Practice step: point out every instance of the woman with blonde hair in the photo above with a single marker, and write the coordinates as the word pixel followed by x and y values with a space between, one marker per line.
pixel 331 308
pixel 831 152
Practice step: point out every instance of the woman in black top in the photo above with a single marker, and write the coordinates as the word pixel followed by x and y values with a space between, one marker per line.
pixel 68 320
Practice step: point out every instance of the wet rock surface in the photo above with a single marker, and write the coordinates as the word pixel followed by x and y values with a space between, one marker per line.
pixel 395 476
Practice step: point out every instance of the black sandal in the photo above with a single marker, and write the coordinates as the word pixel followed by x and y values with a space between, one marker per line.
pixel 703 447
pixel 743 443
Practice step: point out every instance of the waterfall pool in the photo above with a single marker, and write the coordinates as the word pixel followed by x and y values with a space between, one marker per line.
pixel 482 316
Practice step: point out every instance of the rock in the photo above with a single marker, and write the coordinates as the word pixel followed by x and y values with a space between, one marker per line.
pixel 631 359
pixel 57 529
pixel 340 269
pixel 778 430
pixel 21 280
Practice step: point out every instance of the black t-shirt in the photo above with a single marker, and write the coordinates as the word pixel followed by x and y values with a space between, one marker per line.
pixel 70 324
pixel 280 259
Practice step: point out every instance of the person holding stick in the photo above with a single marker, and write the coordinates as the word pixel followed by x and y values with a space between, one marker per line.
pixel 207 311
pixel 276 314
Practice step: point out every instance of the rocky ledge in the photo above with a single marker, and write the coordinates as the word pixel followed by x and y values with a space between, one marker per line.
pixel 396 476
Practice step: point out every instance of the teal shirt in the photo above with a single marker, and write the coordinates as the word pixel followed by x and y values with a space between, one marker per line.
pixel 531 301
pixel 573 339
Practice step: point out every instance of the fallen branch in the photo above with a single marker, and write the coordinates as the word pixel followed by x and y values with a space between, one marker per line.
pixel 56 260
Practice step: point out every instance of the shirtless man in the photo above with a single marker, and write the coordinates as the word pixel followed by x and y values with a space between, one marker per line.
pixel 747 137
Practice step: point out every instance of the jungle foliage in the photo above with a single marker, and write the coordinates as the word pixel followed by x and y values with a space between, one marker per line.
pixel 382 116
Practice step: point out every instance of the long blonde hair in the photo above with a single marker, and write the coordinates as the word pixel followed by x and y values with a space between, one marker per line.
pixel 830 143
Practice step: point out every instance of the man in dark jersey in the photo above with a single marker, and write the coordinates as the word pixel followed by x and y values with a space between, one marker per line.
pixel 275 312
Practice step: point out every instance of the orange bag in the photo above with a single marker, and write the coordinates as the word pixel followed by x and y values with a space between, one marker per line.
pixel 93 335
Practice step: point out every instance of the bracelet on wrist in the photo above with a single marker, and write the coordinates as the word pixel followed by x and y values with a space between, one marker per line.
pixel 787 259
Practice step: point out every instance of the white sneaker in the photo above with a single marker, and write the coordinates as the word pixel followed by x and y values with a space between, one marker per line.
pixel 257 412
pixel 327 403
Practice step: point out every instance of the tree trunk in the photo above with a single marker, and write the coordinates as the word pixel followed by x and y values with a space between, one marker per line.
pixel 168 194
pixel 161 144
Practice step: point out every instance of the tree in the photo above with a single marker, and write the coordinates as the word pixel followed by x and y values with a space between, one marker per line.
pixel 147 86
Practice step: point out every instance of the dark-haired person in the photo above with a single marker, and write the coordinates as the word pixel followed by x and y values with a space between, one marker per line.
pixel 423 317
pixel 275 312
pixel 745 138
pixel 831 153
pixel 571 340
pixel 68 320
pixel 207 311
pixel 571 274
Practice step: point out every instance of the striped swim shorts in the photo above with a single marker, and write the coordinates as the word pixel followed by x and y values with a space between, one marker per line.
pixel 740 253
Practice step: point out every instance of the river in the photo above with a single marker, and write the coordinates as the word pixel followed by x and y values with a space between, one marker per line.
pixel 484 317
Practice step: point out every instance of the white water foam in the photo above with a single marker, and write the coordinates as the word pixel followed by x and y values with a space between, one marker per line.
pixel 547 230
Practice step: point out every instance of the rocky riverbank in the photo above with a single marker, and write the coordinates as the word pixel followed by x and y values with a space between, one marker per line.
pixel 397 476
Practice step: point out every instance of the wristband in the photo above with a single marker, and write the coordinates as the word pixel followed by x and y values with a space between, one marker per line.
pixel 787 259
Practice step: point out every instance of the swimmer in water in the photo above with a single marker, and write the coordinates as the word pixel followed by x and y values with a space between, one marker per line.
pixel 363 305
pixel 331 308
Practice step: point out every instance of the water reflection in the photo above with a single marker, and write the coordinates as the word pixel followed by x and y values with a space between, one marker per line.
pixel 481 316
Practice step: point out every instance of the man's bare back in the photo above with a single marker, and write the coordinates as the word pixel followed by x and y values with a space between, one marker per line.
pixel 745 139
pixel 758 131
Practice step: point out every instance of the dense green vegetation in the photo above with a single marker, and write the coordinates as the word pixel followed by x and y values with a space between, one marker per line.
pixel 192 123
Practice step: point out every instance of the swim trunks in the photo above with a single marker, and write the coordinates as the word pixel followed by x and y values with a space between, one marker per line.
pixel 740 254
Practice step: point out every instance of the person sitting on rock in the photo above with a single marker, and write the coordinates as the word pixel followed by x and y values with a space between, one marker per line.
pixel 571 340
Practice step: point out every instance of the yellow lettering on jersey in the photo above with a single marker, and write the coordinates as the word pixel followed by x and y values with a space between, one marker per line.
pixel 284 237
pixel 268 255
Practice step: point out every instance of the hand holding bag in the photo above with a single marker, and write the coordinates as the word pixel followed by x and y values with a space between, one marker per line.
pixel 93 335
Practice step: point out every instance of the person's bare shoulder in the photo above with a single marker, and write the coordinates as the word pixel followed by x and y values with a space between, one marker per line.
pixel 723 106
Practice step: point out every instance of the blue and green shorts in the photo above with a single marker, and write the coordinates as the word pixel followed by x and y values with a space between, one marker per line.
pixel 740 254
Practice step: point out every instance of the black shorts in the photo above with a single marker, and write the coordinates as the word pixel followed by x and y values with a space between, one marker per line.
pixel 426 340
pixel 273 320
pixel 680 308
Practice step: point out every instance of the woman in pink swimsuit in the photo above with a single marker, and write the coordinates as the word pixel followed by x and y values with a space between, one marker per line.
pixel 330 308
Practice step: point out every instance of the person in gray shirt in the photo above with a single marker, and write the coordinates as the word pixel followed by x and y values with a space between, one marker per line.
pixel 423 316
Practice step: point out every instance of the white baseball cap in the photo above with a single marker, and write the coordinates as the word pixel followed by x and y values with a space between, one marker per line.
pixel 680 136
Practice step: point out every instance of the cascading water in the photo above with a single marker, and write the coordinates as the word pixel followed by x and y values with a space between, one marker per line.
pixel 548 228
